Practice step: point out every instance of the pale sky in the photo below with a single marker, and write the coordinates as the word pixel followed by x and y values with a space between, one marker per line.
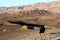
pixel 7 3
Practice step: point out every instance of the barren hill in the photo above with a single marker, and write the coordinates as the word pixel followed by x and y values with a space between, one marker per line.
pixel 51 6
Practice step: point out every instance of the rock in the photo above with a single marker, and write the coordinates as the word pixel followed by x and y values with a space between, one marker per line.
pixel 4 30
pixel 23 27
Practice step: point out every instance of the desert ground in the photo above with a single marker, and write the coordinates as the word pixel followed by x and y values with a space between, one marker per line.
pixel 47 14
pixel 9 31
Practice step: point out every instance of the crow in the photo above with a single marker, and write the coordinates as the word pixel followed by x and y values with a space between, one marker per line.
pixel 30 26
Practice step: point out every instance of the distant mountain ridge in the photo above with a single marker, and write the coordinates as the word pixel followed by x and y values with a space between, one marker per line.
pixel 51 6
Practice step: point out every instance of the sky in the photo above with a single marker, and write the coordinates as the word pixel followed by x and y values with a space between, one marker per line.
pixel 7 3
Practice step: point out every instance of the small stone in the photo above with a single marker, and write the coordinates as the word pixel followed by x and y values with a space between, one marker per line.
pixel 4 30
pixel 23 27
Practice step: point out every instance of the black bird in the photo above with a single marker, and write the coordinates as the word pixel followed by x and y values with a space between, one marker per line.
pixel 23 23
pixel 30 26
